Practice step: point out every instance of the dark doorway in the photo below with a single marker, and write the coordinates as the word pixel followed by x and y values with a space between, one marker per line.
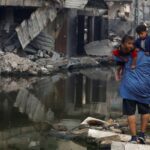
pixel 81 31
pixel 90 28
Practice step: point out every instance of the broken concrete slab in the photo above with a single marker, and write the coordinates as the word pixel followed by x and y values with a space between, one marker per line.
pixel 128 146
pixel 101 134
pixel 99 48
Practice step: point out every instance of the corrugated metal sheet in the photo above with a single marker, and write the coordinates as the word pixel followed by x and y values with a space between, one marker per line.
pixel 32 27
pixel 79 4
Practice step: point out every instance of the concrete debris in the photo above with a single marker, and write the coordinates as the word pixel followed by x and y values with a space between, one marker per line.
pixel 82 62
pixel 44 70
pixel 59 127
pixel 99 48
pixel 88 60
pixel 95 133
pixel 127 146
pixel 13 63
pixel 34 144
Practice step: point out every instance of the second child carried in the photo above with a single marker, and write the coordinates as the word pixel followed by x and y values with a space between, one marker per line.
pixel 122 53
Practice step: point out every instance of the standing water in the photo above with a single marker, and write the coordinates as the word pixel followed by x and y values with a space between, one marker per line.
pixel 28 107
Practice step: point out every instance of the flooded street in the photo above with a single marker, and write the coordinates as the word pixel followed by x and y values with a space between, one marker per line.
pixel 29 105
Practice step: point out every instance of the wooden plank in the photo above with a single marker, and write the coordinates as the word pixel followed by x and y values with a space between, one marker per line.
pixel 128 146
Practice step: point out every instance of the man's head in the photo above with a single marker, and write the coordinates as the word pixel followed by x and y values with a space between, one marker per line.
pixel 142 31
pixel 127 42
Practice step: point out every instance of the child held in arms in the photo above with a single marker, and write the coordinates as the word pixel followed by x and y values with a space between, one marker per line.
pixel 122 53
pixel 143 42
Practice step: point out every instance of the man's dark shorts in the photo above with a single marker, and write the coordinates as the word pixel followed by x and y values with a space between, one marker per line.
pixel 129 107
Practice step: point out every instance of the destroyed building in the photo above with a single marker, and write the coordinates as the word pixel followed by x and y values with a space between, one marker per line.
pixel 37 28
pixel 120 16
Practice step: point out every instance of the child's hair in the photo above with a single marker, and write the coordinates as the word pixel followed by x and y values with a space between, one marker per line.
pixel 141 28
pixel 127 38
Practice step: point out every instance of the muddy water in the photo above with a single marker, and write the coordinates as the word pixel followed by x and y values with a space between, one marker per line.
pixel 28 105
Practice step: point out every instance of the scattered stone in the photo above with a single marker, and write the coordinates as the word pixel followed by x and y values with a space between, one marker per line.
pixel 88 60
pixel 40 54
pixel 55 56
pixel 70 123
pixel 115 130
pixel 31 57
pixel 49 67
pixel 1 53
pixel 13 63
pixel 33 144
pixel 59 127
pixel 44 70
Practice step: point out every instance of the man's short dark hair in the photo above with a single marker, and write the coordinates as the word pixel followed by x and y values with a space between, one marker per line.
pixel 141 28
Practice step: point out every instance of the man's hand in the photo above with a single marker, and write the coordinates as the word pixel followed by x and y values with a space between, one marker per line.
pixel 133 66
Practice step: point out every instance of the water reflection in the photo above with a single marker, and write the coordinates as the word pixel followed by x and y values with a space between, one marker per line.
pixel 26 102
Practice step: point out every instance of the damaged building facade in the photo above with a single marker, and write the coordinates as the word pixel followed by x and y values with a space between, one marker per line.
pixel 42 28
pixel 39 28
pixel 120 16
pixel 125 15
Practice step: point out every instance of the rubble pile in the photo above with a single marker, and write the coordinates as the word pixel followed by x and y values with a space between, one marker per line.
pixel 10 62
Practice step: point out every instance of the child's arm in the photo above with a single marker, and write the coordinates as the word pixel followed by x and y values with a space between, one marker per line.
pixel 134 56
pixel 133 66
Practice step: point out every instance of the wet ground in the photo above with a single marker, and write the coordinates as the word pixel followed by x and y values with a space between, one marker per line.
pixel 28 106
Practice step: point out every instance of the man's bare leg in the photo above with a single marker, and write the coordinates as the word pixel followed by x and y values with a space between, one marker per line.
pixel 132 124
pixel 144 122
